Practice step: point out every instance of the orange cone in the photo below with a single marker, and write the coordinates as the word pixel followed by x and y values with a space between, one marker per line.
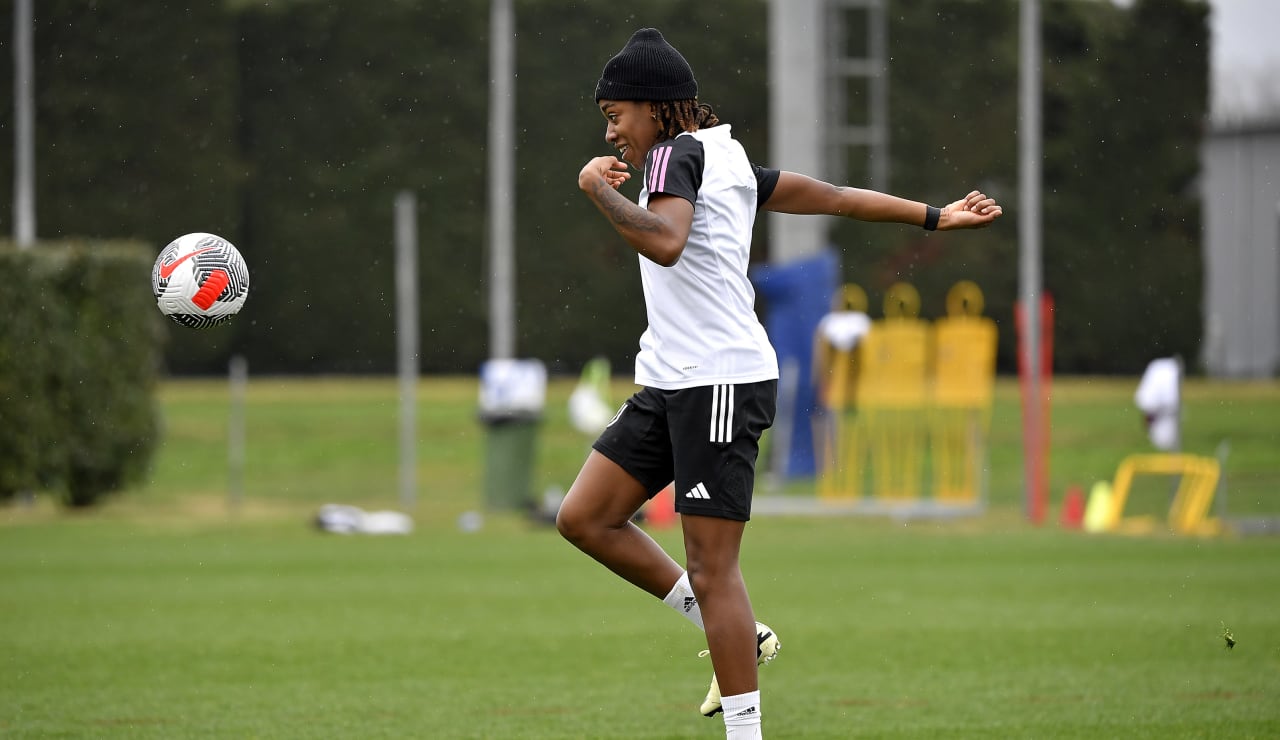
pixel 1072 509
pixel 661 509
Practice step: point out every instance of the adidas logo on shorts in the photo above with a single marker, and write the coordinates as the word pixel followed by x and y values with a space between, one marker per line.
pixel 698 491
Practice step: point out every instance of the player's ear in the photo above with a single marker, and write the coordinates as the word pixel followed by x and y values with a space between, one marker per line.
pixel 653 111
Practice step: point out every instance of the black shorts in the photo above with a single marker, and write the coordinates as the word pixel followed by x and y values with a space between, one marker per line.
pixel 705 439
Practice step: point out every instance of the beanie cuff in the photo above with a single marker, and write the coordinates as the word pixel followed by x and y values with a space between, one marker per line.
pixel 610 90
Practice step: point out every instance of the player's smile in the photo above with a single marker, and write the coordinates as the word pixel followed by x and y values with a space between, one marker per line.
pixel 632 129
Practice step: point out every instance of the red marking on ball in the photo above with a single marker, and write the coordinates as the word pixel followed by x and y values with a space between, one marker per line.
pixel 211 289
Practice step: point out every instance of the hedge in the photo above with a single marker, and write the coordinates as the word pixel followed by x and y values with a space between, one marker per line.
pixel 80 344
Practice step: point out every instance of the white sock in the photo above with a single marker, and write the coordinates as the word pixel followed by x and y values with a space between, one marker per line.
pixel 742 716
pixel 682 600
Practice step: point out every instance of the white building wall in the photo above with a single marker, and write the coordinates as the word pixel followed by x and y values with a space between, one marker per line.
pixel 1241 198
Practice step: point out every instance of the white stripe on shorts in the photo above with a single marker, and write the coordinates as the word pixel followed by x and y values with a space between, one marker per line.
pixel 722 413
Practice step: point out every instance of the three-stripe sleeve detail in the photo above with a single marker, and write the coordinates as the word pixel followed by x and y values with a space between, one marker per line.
pixel 658 172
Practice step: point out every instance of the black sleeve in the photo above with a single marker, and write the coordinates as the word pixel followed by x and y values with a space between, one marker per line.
pixel 766 181
pixel 675 168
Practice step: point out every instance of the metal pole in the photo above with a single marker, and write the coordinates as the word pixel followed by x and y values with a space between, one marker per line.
pixel 878 47
pixel 24 199
pixel 1029 229
pixel 502 299
pixel 24 205
pixel 407 340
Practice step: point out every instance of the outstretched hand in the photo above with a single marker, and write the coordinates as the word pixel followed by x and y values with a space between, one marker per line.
pixel 973 211
pixel 613 170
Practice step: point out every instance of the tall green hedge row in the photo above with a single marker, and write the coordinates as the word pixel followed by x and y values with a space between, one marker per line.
pixel 79 355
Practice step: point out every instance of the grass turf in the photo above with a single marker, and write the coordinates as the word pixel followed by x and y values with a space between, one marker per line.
pixel 889 630
pixel 163 615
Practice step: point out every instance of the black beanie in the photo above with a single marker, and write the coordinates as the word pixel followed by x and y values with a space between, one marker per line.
pixel 647 68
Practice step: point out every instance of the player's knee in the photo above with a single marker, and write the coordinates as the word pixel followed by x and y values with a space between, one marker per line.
pixel 709 576
pixel 698 580
pixel 702 579
pixel 569 525
pixel 578 526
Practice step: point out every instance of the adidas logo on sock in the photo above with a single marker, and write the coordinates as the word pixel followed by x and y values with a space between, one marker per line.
pixel 698 491
pixel 748 712
pixel 689 603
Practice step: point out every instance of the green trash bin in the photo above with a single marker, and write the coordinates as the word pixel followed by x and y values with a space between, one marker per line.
pixel 512 396
pixel 509 457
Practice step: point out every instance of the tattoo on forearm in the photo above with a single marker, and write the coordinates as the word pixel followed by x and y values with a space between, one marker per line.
pixel 623 213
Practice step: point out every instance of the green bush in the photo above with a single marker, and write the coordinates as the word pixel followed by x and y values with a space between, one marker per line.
pixel 79 354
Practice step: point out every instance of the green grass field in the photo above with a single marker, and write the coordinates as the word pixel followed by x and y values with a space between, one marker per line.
pixel 167 614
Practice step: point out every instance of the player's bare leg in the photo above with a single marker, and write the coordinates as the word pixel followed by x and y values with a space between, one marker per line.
pixel 711 550
pixel 596 517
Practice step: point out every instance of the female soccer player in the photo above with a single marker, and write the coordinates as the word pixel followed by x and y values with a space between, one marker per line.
pixel 707 371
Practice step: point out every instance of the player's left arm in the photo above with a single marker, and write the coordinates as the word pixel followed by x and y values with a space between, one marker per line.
pixel 801 194
pixel 658 233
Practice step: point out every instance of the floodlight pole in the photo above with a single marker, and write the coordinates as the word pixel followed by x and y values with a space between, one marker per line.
pixel 24 199
pixel 797 74
pixel 1029 232
pixel 502 321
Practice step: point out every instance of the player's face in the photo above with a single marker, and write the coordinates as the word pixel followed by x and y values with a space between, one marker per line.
pixel 632 129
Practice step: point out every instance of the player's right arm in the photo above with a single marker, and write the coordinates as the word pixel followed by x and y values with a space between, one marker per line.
pixel 658 233
pixel 801 194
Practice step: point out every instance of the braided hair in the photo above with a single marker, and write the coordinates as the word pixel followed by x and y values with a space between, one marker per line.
pixel 678 116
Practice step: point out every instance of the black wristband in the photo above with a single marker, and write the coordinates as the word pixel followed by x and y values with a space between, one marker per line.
pixel 931 216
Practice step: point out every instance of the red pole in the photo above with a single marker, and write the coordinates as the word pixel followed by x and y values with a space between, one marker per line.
pixel 1035 416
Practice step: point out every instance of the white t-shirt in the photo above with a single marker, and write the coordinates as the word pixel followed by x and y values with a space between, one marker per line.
pixel 703 328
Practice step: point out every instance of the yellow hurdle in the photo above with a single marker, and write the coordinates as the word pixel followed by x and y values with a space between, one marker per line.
pixel 1190 507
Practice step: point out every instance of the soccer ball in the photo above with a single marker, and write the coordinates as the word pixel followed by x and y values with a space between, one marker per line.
pixel 200 280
